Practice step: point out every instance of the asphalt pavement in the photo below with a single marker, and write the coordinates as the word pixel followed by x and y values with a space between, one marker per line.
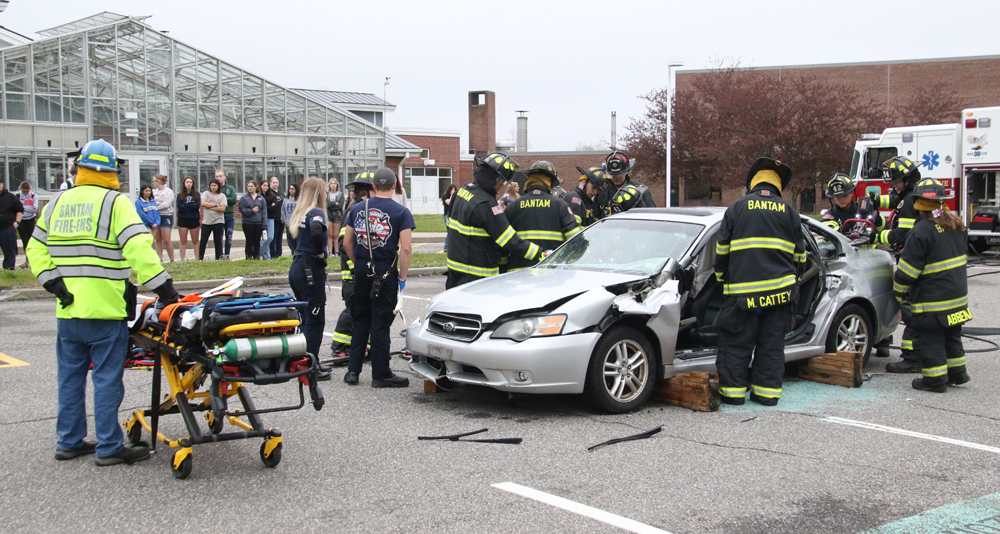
pixel 815 463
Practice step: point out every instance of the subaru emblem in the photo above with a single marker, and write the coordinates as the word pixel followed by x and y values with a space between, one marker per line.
pixel 448 327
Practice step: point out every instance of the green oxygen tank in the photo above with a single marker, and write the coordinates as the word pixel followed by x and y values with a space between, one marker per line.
pixel 252 348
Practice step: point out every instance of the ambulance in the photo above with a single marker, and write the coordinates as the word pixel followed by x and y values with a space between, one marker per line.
pixel 958 155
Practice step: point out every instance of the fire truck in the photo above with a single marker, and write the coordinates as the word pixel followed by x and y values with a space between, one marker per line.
pixel 958 155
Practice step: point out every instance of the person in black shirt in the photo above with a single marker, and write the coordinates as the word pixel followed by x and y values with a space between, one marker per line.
pixel 188 214
pixel 274 214
pixel 360 190
pixel 378 234
pixel 11 212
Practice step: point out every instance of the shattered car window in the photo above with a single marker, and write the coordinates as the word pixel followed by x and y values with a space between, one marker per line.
pixel 625 246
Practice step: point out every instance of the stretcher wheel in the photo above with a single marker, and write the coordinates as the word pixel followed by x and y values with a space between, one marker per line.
pixel 184 470
pixel 135 432
pixel 214 423
pixel 274 459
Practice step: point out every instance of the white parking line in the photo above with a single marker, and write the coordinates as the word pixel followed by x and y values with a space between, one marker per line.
pixel 582 509
pixel 900 431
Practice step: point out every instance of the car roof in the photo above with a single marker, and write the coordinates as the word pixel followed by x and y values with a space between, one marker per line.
pixel 706 215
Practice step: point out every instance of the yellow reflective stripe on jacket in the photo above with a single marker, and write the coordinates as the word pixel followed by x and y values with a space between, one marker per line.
pixel 540 234
pixel 832 224
pixel 908 269
pixel 721 249
pixel 467 230
pixel 907 344
pixel 571 233
pixel 532 252
pixel 719 276
pixel 762 242
pixel 579 220
pixel 944 305
pixel 933 372
pixel 733 392
pixel 900 288
pixel 939 266
pixel 883 201
pixel 506 236
pixel 472 269
pixel 760 285
pixel 799 257
pixel 883 237
pixel 770 393
pixel 956 362
pixel 906 223
pixel 343 231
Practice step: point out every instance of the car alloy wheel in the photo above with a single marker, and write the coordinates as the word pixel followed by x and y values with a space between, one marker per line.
pixel 851 330
pixel 620 377
pixel 626 367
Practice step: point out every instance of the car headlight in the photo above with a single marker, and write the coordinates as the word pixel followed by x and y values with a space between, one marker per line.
pixel 525 327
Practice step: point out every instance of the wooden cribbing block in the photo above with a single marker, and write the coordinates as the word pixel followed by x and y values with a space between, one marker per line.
pixel 839 369
pixel 697 390
pixel 442 385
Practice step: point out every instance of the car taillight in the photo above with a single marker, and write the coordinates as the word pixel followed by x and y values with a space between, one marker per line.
pixel 970 123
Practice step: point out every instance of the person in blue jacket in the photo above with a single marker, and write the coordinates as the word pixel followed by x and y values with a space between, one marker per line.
pixel 146 206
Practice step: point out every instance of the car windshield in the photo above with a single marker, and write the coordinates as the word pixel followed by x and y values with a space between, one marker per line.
pixel 625 246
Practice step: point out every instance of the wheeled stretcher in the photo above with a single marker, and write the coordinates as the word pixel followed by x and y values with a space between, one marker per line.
pixel 209 346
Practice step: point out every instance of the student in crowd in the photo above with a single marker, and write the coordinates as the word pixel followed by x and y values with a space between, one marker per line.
pixel 10 219
pixel 274 214
pixel 29 201
pixel 165 203
pixel 252 210
pixel 148 212
pixel 265 242
pixel 188 214
pixel 214 219
pixel 287 208
pixel 231 201
pixel 335 202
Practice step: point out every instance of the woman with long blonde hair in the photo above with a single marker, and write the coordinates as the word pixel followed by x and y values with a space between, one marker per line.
pixel 307 275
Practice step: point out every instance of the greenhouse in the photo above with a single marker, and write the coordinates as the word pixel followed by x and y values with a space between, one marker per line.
pixel 169 108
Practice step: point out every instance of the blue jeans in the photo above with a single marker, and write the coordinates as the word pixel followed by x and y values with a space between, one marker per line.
pixel 446 233
pixel 80 342
pixel 265 244
pixel 230 225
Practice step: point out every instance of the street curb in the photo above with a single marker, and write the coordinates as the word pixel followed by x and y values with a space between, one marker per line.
pixel 189 285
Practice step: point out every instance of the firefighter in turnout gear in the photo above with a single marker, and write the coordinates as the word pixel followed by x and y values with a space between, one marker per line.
pixel 477 227
pixel 539 217
pixel 931 284
pixel 759 256
pixel 628 197
pixel 617 165
pixel 844 207
pixel 361 189
pixel 581 198
pixel 903 174
pixel 84 248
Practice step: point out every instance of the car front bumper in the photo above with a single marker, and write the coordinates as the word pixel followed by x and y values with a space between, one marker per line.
pixel 556 364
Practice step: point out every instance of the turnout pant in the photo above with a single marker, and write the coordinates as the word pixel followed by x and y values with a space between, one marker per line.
pixel 940 349
pixel 906 347
pixel 307 277
pixel 752 335
pixel 373 316
pixel 342 332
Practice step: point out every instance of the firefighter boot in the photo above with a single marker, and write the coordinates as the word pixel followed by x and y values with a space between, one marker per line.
pixel 921 384
pixel 957 379
pixel 905 366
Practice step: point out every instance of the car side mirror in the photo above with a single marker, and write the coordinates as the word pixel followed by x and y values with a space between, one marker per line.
pixel 669 270
pixel 828 252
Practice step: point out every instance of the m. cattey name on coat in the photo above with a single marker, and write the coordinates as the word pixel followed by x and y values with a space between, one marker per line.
pixel 765 205
pixel 766 301
pixel 536 203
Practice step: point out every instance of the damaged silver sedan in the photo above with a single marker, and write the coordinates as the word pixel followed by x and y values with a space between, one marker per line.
pixel 632 300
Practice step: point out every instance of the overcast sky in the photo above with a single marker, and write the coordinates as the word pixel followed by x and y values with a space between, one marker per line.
pixel 570 63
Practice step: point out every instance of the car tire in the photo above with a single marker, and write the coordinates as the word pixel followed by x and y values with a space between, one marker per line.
pixel 850 328
pixel 612 387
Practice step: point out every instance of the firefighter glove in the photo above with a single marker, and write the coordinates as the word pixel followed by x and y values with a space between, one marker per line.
pixel 167 293
pixel 57 287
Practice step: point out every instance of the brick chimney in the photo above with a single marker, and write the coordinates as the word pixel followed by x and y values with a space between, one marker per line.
pixel 482 122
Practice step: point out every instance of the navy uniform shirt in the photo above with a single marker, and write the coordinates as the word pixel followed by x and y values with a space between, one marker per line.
pixel 305 245
pixel 386 219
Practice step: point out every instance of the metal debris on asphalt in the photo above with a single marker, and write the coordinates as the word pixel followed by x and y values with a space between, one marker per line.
pixel 643 435
pixel 455 437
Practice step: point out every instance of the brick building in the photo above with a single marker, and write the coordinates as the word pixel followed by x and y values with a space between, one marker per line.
pixel 974 80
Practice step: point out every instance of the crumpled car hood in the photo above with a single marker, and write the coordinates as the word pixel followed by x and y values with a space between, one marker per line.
pixel 521 290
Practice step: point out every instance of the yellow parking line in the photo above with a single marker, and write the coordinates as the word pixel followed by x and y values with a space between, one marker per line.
pixel 11 362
